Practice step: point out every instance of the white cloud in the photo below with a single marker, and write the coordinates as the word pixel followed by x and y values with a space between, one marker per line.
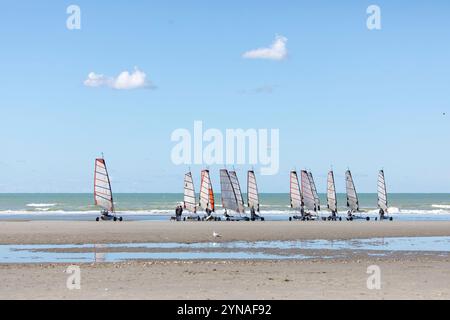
pixel 277 51
pixel 124 81
pixel 265 89
pixel 95 80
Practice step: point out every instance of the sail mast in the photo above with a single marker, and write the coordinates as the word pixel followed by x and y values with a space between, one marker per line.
pixel 206 192
pixel 307 192
pixel 352 196
pixel 252 191
pixel 229 199
pixel 314 189
pixel 189 193
pixel 331 193
pixel 382 192
pixel 102 186
pixel 295 192
pixel 237 190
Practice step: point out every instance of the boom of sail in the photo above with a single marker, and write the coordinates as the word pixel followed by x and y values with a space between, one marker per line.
pixel 382 193
pixel 102 186
pixel 237 190
pixel 206 192
pixel 309 200
pixel 331 193
pixel 295 193
pixel 252 191
pixel 189 193
pixel 229 198
pixel 316 195
pixel 352 196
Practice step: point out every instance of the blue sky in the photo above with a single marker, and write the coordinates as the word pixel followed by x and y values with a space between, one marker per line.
pixel 344 96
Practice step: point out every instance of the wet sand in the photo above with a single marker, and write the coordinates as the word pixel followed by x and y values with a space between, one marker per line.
pixel 402 277
pixel 75 232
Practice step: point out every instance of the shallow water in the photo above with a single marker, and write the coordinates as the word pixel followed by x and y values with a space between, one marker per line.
pixel 238 250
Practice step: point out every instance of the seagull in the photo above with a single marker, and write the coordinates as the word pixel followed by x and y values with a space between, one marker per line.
pixel 216 235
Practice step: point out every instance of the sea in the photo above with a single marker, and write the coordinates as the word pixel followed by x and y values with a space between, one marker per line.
pixel 154 206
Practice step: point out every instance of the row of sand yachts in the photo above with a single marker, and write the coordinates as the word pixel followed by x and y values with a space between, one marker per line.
pixel 304 198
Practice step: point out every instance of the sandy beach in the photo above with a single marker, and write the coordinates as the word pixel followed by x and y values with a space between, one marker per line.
pixel 343 275
pixel 74 232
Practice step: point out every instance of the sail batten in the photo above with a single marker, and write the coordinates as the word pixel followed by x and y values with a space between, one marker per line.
pixel 189 193
pixel 382 192
pixel 331 193
pixel 237 190
pixel 295 193
pixel 352 196
pixel 309 200
pixel 229 198
pixel 252 191
pixel 206 192
pixel 102 186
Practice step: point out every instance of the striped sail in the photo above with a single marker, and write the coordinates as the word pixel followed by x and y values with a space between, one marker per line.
pixel 102 186
pixel 313 186
pixel 237 190
pixel 307 192
pixel 189 193
pixel 295 193
pixel 206 192
pixel 331 193
pixel 352 196
pixel 382 193
pixel 252 191
pixel 229 199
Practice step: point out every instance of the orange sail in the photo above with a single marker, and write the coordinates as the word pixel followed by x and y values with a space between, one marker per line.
pixel 211 199
pixel 206 192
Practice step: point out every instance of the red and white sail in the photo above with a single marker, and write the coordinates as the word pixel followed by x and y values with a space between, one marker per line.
pixel 237 190
pixel 331 193
pixel 189 193
pixel 206 192
pixel 382 192
pixel 295 193
pixel 352 196
pixel 309 200
pixel 102 186
pixel 252 191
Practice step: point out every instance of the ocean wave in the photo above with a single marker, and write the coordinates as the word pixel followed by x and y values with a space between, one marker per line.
pixel 41 205
pixel 441 206
pixel 412 211
pixel 43 211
